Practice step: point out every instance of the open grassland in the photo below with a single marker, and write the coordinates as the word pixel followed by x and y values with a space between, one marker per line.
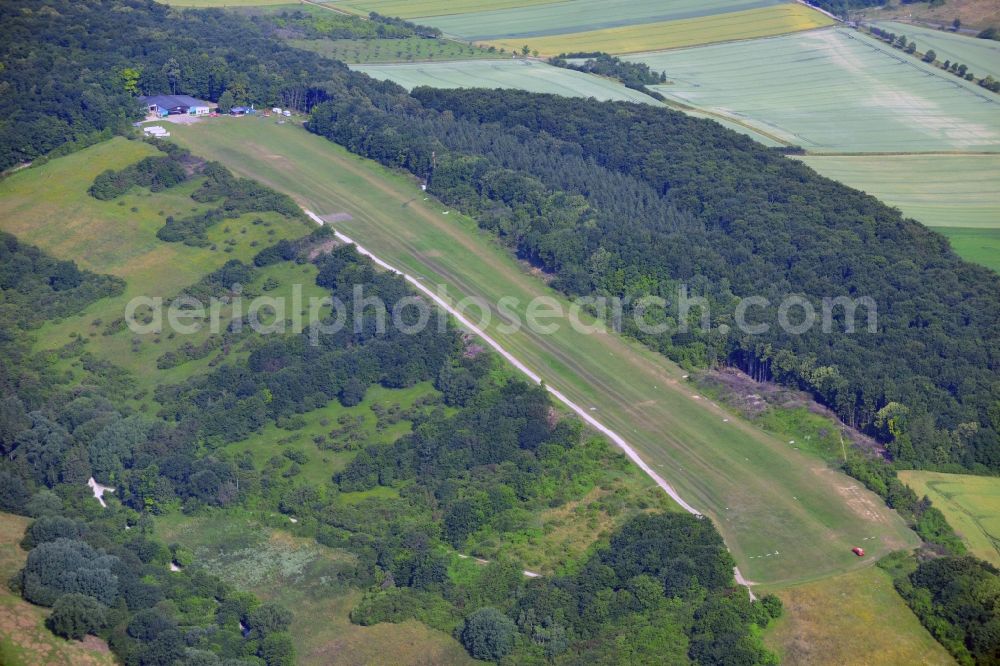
pixel 355 51
pixel 521 74
pixel 559 18
pixel 970 503
pixel 324 463
pixel 785 515
pixel 749 24
pixel 413 8
pixel 974 14
pixel 981 55
pixel 856 618
pixel 302 576
pixel 834 91
pixel 24 639
pixel 49 206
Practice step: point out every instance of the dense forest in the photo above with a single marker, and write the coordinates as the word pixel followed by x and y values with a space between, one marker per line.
pixel 609 199
pixel 489 452
pixel 628 200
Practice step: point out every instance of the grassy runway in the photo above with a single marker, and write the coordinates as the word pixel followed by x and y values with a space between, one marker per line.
pixel 785 516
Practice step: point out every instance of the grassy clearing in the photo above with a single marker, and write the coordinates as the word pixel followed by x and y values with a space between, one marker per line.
pixel 764 495
pixel 834 91
pixel 357 51
pixel 749 24
pixel 323 464
pixel 302 575
pixel 120 238
pixel 24 639
pixel 970 503
pixel 856 618
pixel 579 16
pixel 522 74
pixel 981 55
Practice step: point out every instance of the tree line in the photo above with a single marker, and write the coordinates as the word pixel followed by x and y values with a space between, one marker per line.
pixel 628 200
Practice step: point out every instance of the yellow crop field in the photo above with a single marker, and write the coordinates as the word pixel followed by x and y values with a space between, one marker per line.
pixel 749 24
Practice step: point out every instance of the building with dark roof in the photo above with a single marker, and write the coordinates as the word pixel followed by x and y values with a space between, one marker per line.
pixel 164 105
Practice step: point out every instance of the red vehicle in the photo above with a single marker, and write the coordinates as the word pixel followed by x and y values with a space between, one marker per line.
pixel 860 552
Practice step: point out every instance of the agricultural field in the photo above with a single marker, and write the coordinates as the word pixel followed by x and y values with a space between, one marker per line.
pixel 786 516
pixel 359 51
pixel 981 55
pixel 832 91
pixel 732 26
pixel 561 18
pixel 223 4
pixel 119 237
pixel 856 618
pixel 302 575
pixel 970 503
pixel 522 74
pixel 24 639
pixel 410 9
pixel 975 15
pixel 954 194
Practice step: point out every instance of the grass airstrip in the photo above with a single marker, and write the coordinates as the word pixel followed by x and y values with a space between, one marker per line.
pixel 786 516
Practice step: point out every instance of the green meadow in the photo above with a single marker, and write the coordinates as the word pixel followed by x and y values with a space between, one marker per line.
pixel 49 206
pixel 970 503
pixel 786 515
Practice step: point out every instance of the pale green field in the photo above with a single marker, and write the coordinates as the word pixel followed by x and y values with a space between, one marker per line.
pixel 785 515
pixel 414 49
pixel 954 194
pixel 533 77
pixel 981 55
pixel 558 18
pixel 834 91
pixel 681 33
pixel 201 4
pixel 521 74
pixel 857 618
pixel 970 503
pixel 414 8
pixel 938 190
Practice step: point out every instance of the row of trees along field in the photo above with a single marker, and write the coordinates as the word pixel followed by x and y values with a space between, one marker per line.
pixel 958 69
pixel 483 456
pixel 629 200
